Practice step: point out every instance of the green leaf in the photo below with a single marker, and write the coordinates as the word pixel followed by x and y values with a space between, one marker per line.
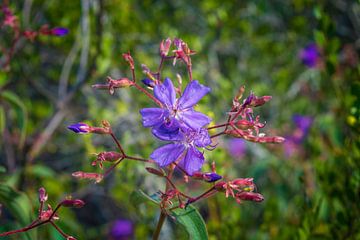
pixel 21 113
pixel 19 205
pixel 41 171
pixel 138 197
pixel 2 169
pixel 193 222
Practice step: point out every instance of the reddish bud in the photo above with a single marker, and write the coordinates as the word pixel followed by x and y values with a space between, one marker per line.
pixel 77 203
pixel 93 176
pixel 115 83
pixel 154 171
pixel 258 101
pixel 164 47
pixel 70 238
pixel 129 59
pixel 42 195
pixel 249 196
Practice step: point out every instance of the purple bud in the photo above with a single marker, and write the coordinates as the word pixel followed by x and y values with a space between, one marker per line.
pixel 42 195
pixel 211 177
pixel 148 82
pixel 80 128
pixel 59 31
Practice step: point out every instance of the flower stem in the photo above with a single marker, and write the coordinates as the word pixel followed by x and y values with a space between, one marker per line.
pixel 163 214
pixel 147 94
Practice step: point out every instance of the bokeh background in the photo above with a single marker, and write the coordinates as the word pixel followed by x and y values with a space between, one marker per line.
pixel 311 184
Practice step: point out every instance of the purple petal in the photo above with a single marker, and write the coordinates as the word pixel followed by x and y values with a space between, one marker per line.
pixel 79 128
pixel 202 139
pixel 169 131
pixel 153 116
pixel 193 161
pixel 193 92
pixel 165 93
pixel 193 119
pixel 167 154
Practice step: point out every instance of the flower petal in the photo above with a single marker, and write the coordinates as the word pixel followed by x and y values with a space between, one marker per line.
pixel 165 93
pixel 153 116
pixel 169 131
pixel 193 92
pixel 193 119
pixel 193 161
pixel 167 154
pixel 202 139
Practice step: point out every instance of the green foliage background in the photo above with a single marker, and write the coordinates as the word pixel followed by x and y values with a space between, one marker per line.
pixel 311 195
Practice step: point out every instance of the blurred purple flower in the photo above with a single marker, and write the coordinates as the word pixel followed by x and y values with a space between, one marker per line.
pixel 122 229
pixel 237 147
pixel 175 113
pixel 303 124
pixel 293 142
pixel 184 151
pixel 211 177
pixel 59 31
pixel 310 55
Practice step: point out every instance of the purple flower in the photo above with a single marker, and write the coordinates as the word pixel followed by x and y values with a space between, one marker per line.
pixel 237 147
pixel 184 151
pixel 310 55
pixel 122 229
pixel 79 128
pixel 175 113
pixel 59 31
pixel 303 124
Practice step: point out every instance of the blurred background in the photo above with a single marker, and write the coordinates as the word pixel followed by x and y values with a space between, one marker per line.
pixel 304 53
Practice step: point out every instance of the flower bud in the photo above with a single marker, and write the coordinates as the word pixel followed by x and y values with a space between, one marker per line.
pixel 80 128
pixel 208 177
pixel 258 101
pixel 129 59
pixel 154 171
pixel 84 175
pixel 42 195
pixel 249 196
pixel 164 47
pixel 77 203
pixel 70 238
pixel 149 83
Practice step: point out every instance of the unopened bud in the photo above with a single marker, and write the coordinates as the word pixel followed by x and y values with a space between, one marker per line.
pixel 42 195
pixel 164 47
pixel 240 93
pixel 80 128
pixel 70 238
pixel 250 196
pixel 149 83
pixel 77 203
pixel 208 177
pixel 154 171
pixel 93 176
pixel 118 83
pixel 258 101
pixel 129 59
